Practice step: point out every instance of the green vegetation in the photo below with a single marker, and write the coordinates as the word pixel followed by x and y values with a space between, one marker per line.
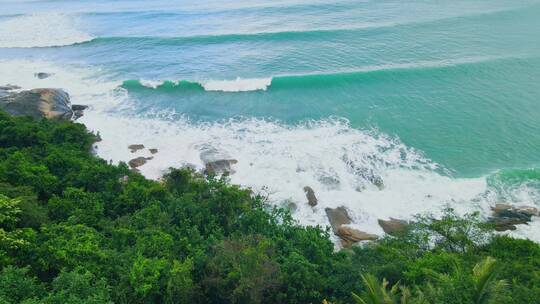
pixel 75 229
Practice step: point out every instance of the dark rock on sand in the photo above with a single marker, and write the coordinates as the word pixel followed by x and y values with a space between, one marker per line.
pixel 139 161
pixel 310 195
pixel 39 103
pixel 42 75
pixel 135 148
pixel 393 226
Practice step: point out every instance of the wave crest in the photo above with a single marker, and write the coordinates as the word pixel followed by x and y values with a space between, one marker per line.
pixel 41 30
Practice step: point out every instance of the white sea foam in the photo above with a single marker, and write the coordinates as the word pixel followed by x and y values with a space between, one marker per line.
pixel 337 161
pixel 237 85
pixel 41 30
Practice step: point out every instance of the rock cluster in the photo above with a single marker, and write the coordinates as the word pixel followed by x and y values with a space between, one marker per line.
pixel 506 217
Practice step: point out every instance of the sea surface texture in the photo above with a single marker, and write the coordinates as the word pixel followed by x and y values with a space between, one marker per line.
pixel 389 108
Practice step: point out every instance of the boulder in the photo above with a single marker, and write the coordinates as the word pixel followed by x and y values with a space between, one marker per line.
pixel 42 75
pixel 135 148
pixel 393 226
pixel 39 103
pixel 139 161
pixel 337 217
pixel 220 166
pixel 528 210
pixel 310 195
pixel 77 114
pixel 350 236
pixel 216 162
pixel 506 217
pixel 77 107
pixel 153 150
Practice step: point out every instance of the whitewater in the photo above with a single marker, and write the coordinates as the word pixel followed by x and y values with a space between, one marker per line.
pixel 448 121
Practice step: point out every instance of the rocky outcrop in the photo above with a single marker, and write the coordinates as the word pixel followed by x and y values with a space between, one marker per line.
pixel 153 150
pixel 310 195
pixel 393 226
pixel 136 147
pixel 139 161
pixel 349 236
pixel 78 111
pixel 506 217
pixel 39 103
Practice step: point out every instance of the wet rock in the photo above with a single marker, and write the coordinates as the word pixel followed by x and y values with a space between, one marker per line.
pixel 39 103
pixel 77 114
pixel 135 148
pixel 153 150
pixel 139 161
pixel 500 207
pixel 337 217
pixel 350 236
pixel 9 87
pixel 77 107
pixel 216 162
pixel 220 166
pixel 506 217
pixel 42 75
pixel 528 210
pixel 310 195
pixel 393 226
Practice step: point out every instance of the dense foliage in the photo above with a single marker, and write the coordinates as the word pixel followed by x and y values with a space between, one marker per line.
pixel 76 229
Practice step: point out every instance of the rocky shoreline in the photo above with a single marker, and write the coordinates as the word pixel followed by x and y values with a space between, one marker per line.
pixel 55 104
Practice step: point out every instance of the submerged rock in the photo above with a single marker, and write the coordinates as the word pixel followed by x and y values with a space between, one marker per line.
pixel 393 226
pixel 310 195
pixel 42 75
pixel 39 103
pixel 153 150
pixel 135 148
pixel 350 236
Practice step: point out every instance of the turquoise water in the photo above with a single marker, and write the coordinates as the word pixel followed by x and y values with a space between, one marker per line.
pixel 455 81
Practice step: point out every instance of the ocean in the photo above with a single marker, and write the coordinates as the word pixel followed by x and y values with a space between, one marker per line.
pixel 438 100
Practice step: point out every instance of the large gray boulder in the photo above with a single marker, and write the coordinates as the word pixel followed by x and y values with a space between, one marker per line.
pixel 39 103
